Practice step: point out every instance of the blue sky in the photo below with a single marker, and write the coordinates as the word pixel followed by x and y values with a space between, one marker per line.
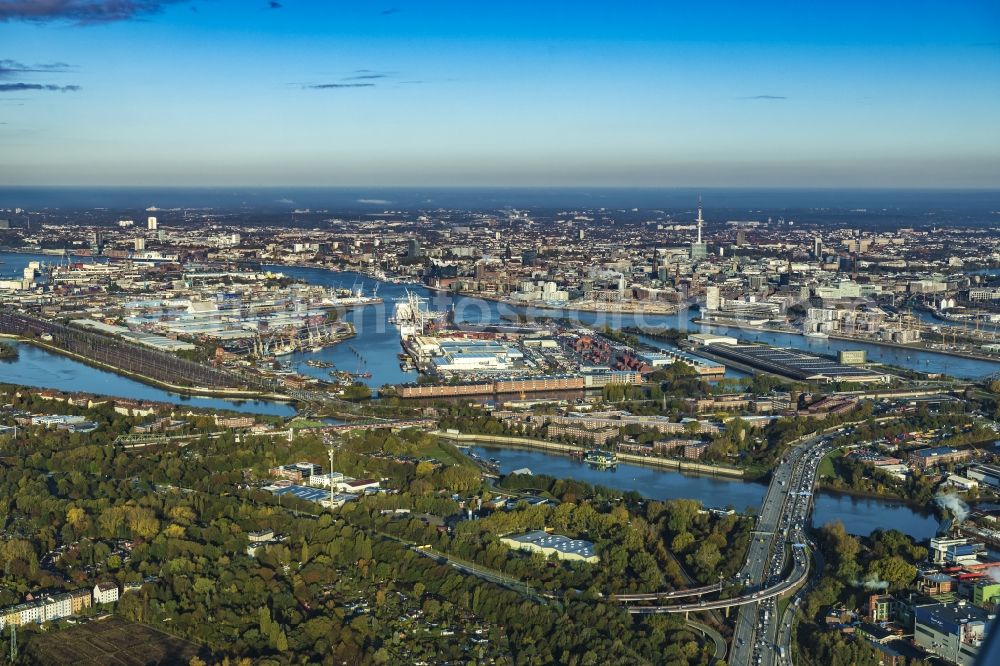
pixel 220 92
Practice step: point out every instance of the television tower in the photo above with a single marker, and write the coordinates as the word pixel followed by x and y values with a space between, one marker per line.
pixel 698 249
pixel 699 220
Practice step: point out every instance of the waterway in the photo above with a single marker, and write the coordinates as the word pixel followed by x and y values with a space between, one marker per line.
pixel 474 310
pixel 375 347
pixel 43 369
pixel 860 516
pixel 377 342
pixel 12 264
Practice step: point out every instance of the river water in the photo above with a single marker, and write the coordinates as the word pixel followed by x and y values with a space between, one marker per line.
pixel 12 264
pixel 376 347
pixel 378 340
pixel 860 515
pixel 37 367
pixel 476 310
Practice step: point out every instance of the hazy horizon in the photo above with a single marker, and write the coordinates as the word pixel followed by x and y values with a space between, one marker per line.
pixel 374 199
pixel 97 93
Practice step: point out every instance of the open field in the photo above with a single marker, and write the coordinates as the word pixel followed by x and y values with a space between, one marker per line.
pixel 112 641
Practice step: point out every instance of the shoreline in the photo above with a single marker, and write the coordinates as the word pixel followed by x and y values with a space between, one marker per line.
pixel 572 307
pixel 845 338
pixel 195 391
pixel 701 469
pixel 828 489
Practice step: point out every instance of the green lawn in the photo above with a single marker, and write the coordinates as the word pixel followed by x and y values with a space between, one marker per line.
pixel 442 451
pixel 299 422
pixel 826 464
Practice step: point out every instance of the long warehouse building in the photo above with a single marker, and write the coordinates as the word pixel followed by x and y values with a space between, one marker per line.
pixel 796 364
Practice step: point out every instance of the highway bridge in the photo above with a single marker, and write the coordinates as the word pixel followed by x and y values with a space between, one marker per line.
pixel 775 521
pixel 798 575
pixel 380 424
pixel 782 519
pixel 672 594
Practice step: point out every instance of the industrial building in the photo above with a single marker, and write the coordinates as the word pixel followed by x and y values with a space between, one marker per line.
pixel 547 544
pixel 955 551
pixel 470 355
pixel 312 494
pixel 852 356
pixel 667 357
pixel 796 364
pixel 300 471
pixel 953 631
pixel 160 342
pixel 987 474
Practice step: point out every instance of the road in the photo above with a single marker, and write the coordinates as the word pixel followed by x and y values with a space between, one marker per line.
pixel 716 637
pixel 672 594
pixel 755 640
pixel 782 518
pixel 784 638
pixel 777 559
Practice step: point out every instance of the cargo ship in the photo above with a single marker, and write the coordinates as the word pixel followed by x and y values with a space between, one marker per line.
pixel 413 318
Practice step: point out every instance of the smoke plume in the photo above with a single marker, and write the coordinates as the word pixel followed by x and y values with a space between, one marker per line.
pixel 957 508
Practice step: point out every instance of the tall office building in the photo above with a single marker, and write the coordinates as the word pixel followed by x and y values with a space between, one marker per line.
pixel 151 223
pixel 817 247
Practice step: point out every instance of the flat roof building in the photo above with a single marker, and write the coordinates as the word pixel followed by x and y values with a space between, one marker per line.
pixel 954 631
pixel 796 364
pixel 988 474
pixel 937 455
pixel 547 544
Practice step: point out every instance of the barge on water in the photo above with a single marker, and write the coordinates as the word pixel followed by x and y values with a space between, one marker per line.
pixel 601 459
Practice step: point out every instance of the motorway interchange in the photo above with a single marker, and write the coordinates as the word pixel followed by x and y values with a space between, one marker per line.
pixel 767 574
pixel 782 521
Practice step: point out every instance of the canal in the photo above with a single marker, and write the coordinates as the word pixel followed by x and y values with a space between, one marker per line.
pixel 860 516
pixel 40 368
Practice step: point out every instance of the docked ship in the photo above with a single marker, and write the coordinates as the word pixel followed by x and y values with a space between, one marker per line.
pixel 601 459
pixel 352 298
pixel 413 317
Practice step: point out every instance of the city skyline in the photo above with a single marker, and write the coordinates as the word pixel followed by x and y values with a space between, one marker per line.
pixel 300 94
